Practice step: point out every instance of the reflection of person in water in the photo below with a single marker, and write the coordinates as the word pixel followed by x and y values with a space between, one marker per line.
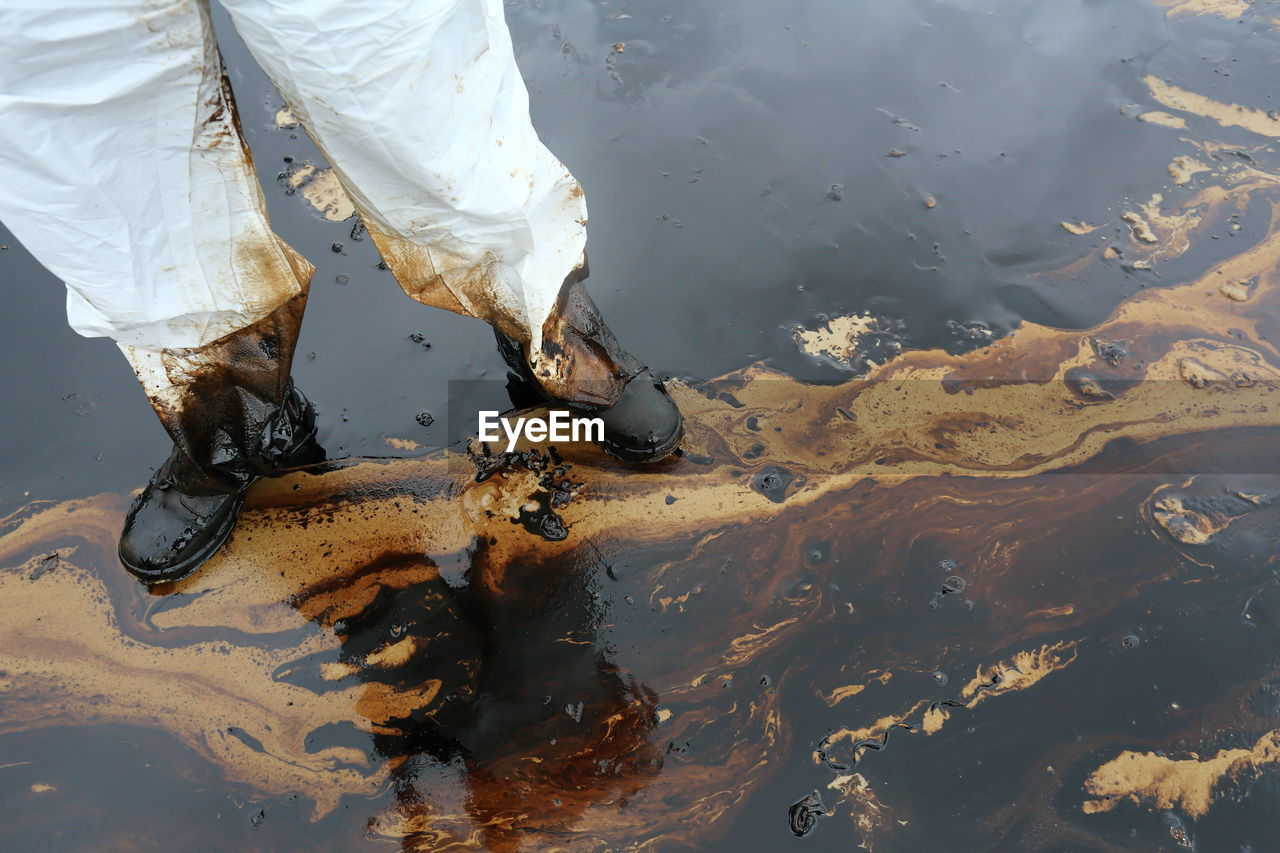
pixel 124 170
pixel 505 680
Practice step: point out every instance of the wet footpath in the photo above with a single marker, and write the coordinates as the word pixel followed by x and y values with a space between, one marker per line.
pixel 972 310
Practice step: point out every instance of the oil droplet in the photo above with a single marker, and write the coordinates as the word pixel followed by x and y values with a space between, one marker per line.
pixel 772 482
pixel 817 553
pixel 803 816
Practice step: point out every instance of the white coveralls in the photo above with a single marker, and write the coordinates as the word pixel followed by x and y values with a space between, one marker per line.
pixel 123 169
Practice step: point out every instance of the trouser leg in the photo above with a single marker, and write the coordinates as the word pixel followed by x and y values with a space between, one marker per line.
pixel 421 110
pixel 124 172
pixel 229 405
pixel 581 361
pixel 234 416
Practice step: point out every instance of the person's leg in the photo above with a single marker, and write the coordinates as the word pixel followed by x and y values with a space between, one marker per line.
pixel 421 110
pixel 122 168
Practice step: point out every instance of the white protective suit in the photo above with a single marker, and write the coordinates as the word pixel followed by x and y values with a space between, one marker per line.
pixel 123 169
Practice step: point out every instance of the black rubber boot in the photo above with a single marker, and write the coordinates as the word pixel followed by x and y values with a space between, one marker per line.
pixel 178 522
pixel 234 416
pixel 643 425
pixel 187 511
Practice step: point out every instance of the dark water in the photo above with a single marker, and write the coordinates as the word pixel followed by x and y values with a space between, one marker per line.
pixel 739 162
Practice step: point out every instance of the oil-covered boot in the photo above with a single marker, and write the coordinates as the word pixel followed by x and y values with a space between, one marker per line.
pixel 234 416
pixel 187 511
pixel 584 368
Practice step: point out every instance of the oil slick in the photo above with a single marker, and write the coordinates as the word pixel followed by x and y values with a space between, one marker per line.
pixel 1187 784
pixel 1163 119
pixel 1227 115
pixel 1020 672
pixel 323 191
pixel 1220 8
pixel 1078 228
pixel 853 343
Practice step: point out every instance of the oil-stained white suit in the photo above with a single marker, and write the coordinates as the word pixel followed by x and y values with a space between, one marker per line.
pixel 124 171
